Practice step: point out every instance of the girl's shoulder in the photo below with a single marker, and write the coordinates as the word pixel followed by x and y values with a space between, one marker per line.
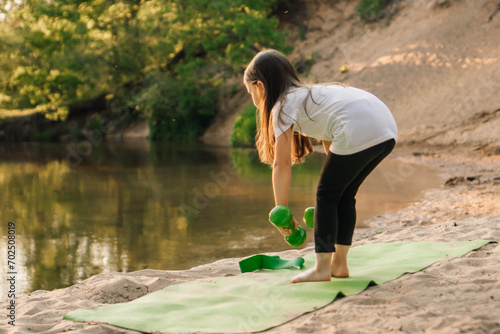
pixel 318 87
pixel 300 92
pixel 314 93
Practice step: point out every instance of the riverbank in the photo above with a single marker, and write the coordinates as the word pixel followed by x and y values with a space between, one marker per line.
pixel 466 289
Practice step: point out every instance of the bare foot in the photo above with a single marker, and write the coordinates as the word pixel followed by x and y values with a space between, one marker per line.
pixel 312 275
pixel 339 262
pixel 340 271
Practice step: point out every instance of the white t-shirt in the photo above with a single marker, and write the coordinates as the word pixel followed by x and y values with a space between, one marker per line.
pixel 351 118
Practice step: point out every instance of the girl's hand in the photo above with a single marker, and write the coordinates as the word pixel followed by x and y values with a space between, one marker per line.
pixel 287 231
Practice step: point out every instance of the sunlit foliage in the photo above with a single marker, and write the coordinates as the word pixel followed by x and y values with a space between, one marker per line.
pixel 58 53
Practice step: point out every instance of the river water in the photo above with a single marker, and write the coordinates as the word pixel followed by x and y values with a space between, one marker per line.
pixel 122 207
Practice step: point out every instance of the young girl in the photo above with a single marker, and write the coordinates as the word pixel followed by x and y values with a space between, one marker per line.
pixel 357 131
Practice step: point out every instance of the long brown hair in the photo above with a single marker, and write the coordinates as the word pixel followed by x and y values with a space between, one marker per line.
pixel 277 74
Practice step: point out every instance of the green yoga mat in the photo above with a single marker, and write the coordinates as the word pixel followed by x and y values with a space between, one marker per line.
pixel 265 298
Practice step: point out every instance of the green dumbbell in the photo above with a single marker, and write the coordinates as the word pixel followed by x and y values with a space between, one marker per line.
pixel 309 217
pixel 281 217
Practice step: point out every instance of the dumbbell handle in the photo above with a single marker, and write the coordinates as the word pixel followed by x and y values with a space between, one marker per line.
pixel 282 217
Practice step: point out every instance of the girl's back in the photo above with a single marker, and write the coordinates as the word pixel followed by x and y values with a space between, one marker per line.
pixel 353 119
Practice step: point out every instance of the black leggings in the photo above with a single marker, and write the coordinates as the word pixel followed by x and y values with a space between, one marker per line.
pixel 335 214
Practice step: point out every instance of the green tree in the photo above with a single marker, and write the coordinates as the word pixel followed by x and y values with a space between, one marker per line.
pixel 214 40
pixel 64 52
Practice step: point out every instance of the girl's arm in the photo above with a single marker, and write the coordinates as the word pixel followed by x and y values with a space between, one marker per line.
pixel 326 145
pixel 282 167
pixel 282 172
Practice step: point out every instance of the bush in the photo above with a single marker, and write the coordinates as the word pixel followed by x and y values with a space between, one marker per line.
pixel 245 128
pixel 178 109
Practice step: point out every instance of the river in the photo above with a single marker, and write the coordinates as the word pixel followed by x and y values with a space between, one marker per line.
pixel 129 206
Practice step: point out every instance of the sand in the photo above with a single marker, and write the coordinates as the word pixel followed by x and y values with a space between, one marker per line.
pixel 455 296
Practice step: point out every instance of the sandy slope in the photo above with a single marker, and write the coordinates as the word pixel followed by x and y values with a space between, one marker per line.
pixel 437 65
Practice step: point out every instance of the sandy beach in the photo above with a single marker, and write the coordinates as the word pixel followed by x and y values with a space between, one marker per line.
pixel 453 296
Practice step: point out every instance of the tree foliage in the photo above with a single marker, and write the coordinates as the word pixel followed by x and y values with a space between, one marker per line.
pixel 61 52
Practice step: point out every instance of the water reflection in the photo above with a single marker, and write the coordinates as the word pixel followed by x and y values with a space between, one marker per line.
pixel 143 205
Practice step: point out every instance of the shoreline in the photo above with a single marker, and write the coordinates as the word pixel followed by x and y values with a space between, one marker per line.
pixel 465 208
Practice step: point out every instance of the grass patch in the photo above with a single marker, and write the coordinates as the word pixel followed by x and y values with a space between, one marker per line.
pixel 245 128
pixel 372 10
pixel 304 65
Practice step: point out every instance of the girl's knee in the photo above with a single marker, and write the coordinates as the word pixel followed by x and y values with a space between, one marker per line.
pixel 347 201
pixel 328 196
